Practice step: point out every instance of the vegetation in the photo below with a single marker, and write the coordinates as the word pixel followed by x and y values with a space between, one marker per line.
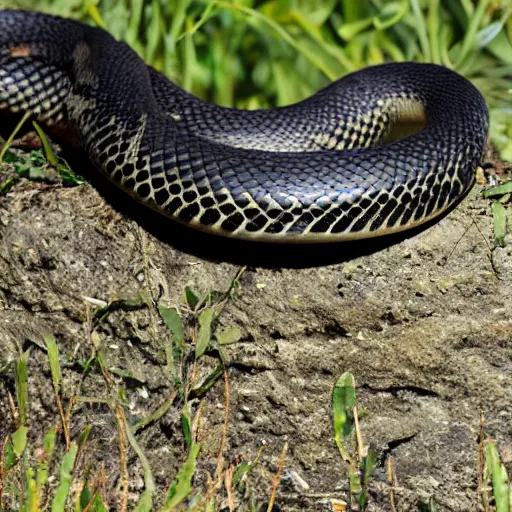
pixel 28 468
pixel 254 54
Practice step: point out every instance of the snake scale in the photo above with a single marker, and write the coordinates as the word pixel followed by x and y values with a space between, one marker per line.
pixel 317 171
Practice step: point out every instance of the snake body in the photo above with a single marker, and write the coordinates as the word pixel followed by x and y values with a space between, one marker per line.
pixel 316 171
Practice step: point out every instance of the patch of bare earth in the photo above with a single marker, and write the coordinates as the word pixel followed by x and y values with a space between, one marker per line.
pixel 424 325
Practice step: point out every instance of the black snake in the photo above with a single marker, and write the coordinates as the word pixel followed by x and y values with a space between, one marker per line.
pixel 320 170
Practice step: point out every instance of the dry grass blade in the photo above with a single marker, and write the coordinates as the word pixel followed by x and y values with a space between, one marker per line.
pixel 123 448
pixel 277 477
pixel 225 426
pixel 390 473
pixel 53 358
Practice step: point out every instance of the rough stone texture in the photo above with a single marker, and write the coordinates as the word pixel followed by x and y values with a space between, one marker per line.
pixel 423 324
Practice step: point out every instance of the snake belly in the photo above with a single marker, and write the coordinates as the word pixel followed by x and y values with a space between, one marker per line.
pixel 320 170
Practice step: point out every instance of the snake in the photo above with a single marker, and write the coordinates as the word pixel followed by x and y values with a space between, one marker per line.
pixel 327 168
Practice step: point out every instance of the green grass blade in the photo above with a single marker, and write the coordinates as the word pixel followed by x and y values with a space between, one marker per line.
pixel 182 487
pixel 422 30
pixel 66 477
pixel 7 143
pixel 145 503
pixel 470 39
pixel 47 147
pixel 499 478
pixel 434 31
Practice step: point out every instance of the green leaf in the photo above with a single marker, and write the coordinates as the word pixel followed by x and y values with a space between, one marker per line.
pixel 19 441
pixel 31 499
pixel 186 425
pixel 427 506
pixel 229 335
pixel 368 464
pixel 500 223
pixel 204 335
pixel 500 190
pixel 47 147
pixel 36 173
pixel 347 31
pixel 9 456
pixel 6 186
pixel 126 304
pixel 173 322
pixel 84 436
pixel 501 47
pixel 200 390
pixel 343 403
pixel 192 298
pixel 42 463
pixel 182 487
pixel 244 468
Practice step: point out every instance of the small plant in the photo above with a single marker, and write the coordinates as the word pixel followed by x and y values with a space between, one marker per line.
pixel 26 466
pixel 35 165
pixel 361 460
pixel 501 196
pixel 494 489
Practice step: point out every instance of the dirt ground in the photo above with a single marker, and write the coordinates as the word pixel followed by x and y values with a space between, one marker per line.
pixel 423 322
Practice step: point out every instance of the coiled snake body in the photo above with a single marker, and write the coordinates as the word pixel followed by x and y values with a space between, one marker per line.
pixel 319 170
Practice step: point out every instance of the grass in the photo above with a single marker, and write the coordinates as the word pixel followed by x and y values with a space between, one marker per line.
pixel 27 467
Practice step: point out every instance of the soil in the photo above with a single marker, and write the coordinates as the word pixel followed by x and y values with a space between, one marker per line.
pixel 423 321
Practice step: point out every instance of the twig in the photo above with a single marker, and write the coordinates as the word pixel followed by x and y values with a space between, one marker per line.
pixel 65 426
pixel 228 482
